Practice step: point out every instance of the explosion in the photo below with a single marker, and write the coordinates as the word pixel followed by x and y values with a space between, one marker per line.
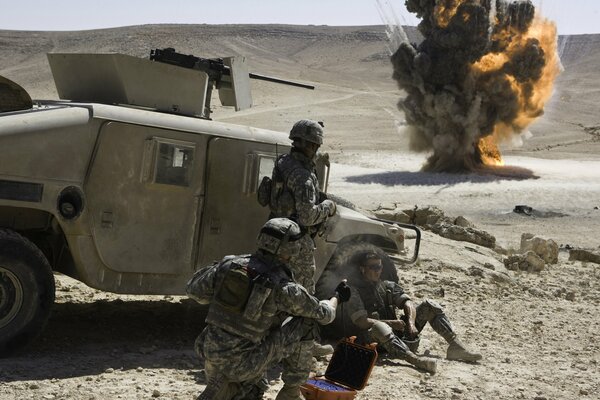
pixel 482 74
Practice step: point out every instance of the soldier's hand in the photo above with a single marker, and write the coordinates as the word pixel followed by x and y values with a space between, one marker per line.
pixel 331 207
pixel 342 292
pixel 397 325
pixel 411 331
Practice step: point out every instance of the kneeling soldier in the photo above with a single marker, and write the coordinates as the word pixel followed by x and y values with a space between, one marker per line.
pixel 258 316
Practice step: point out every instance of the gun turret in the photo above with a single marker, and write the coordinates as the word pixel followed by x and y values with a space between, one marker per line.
pixel 169 81
pixel 228 75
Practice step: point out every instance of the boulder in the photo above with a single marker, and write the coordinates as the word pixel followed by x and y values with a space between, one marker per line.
pixel 396 215
pixel 462 221
pixel 471 235
pixel 529 261
pixel 546 249
pixel 429 215
pixel 584 256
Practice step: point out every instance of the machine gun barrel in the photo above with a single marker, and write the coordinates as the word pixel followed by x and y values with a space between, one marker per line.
pixel 214 67
pixel 279 80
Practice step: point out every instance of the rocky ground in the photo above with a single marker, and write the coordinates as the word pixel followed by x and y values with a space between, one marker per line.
pixel 537 331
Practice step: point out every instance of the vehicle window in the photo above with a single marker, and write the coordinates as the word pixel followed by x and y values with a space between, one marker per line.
pixel 258 165
pixel 265 166
pixel 173 163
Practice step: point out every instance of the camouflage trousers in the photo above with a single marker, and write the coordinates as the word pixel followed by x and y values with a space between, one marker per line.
pixel 303 265
pixel 234 366
pixel 428 312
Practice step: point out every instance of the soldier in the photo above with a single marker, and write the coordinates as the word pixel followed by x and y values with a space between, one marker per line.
pixel 295 194
pixel 258 316
pixel 372 316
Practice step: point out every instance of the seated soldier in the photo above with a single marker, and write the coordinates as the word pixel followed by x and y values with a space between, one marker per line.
pixel 258 316
pixel 370 314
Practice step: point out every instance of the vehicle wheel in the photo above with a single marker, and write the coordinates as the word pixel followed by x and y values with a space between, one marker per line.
pixel 343 265
pixel 26 291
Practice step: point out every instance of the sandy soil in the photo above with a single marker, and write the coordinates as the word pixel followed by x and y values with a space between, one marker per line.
pixel 537 331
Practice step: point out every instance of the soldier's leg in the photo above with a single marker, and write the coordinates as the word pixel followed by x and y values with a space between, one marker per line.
pixel 383 334
pixel 303 265
pixel 298 341
pixel 217 385
pixel 432 312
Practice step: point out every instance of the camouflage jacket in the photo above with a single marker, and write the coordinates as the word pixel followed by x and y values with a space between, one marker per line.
pixel 249 321
pixel 295 192
pixel 375 300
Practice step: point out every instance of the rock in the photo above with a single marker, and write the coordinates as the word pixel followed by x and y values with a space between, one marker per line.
pixel 462 221
pixel 34 386
pixel 459 233
pixel 570 296
pixel 155 393
pixel 109 370
pixel 546 249
pixel 584 256
pixel 525 262
pixel 395 215
pixel 424 216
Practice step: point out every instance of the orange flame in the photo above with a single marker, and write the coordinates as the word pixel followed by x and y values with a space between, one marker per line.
pixel 443 13
pixel 531 104
pixel 489 152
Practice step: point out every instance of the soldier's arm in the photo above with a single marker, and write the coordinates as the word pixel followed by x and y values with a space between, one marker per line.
pixel 305 198
pixel 295 300
pixel 201 286
pixel 411 313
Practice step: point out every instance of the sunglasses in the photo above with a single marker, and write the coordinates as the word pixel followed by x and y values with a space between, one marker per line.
pixel 375 267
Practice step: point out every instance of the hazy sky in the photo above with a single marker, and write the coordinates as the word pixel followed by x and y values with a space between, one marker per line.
pixel 572 16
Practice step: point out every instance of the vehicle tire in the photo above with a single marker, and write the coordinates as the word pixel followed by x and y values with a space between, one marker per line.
pixel 343 265
pixel 26 291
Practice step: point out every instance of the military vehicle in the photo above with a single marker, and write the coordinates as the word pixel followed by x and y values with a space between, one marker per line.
pixel 128 186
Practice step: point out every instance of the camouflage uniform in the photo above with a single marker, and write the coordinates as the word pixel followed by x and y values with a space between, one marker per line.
pixel 295 195
pixel 379 301
pixel 238 348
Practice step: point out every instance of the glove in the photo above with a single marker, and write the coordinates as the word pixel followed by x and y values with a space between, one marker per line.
pixel 330 205
pixel 342 292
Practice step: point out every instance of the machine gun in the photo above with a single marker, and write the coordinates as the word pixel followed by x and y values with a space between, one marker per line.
pixel 214 67
pixel 228 75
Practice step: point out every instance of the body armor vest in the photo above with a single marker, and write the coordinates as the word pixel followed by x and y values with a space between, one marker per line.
pixel 244 299
pixel 377 299
pixel 282 202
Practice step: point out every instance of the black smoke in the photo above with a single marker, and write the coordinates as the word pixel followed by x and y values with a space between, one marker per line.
pixel 450 105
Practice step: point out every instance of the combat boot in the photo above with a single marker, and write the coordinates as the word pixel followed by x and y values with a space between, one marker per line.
pixel 425 363
pixel 457 351
pixel 383 334
pixel 289 392
pixel 321 350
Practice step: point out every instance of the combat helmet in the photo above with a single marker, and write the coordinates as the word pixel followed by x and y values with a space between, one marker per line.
pixel 311 131
pixel 279 236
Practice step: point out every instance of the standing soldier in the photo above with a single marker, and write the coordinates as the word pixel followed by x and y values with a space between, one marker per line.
pixel 258 316
pixel 295 194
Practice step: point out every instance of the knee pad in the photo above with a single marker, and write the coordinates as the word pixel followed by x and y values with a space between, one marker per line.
pixel 381 332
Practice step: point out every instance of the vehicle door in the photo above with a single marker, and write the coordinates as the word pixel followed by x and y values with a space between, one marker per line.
pixel 232 215
pixel 144 191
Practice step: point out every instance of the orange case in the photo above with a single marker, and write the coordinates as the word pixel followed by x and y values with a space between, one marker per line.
pixel 348 371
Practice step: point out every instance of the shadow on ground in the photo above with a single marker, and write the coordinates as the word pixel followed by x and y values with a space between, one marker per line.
pixel 88 338
pixel 406 178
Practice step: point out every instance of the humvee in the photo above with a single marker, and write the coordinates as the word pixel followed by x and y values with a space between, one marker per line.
pixel 127 185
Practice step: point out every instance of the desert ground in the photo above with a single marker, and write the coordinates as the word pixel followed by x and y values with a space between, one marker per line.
pixel 537 331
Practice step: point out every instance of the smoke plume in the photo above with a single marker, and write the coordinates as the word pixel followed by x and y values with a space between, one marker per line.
pixel 482 74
